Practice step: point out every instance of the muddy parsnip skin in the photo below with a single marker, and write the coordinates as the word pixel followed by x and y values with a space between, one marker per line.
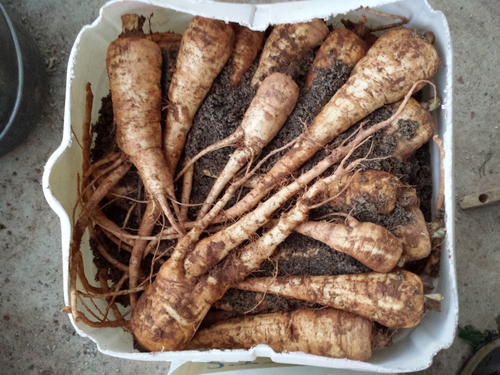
pixel 324 332
pixel 341 45
pixel 134 70
pixel 287 44
pixel 247 45
pixel 373 186
pixel 414 236
pixel 371 244
pixel 384 75
pixel 168 313
pixel 205 48
pixel 414 113
pixel 394 299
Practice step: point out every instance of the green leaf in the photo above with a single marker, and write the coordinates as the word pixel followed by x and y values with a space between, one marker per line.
pixel 475 337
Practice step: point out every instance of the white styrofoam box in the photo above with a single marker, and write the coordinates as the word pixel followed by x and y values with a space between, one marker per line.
pixel 414 348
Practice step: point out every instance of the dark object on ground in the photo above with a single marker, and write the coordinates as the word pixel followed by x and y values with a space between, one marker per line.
pixel 22 83
pixel 486 361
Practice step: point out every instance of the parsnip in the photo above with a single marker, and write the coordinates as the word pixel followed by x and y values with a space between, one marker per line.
pixel 287 44
pixel 247 45
pixel 414 236
pixel 394 299
pixel 325 332
pixel 371 244
pixel 205 48
pixel 340 46
pixel 134 69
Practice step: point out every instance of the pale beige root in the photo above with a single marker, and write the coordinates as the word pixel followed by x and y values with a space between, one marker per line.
pixel 370 186
pixel 394 299
pixel 324 332
pixel 272 104
pixel 424 124
pixel 286 44
pixel 93 200
pixel 205 48
pixel 187 187
pixel 414 236
pixel 146 227
pixel 166 41
pixel 247 45
pixel 371 244
pixel 384 75
pixel 341 45
pixel 134 71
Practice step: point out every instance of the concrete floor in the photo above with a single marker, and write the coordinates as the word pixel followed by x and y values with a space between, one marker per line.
pixel 37 338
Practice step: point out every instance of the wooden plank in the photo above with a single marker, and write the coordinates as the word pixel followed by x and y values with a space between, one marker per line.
pixel 481 199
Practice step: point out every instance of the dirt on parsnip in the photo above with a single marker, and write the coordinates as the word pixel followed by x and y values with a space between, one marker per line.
pixel 218 117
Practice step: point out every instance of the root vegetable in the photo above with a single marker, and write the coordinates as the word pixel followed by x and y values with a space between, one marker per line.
pixel 270 107
pixel 340 46
pixel 395 299
pixel 83 221
pixel 386 73
pixel 371 244
pixel 371 186
pixel 134 70
pixel 412 129
pixel 287 44
pixel 325 332
pixel 205 48
pixel 414 236
pixel 247 45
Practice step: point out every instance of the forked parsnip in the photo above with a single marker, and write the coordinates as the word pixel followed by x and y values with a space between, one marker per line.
pixel 273 102
pixel 394 299
pixel 169 43
pixel 134 64
pixel 286 45
pixel 384 75
pixel 371 244
pixel 325 332
pixel 205 48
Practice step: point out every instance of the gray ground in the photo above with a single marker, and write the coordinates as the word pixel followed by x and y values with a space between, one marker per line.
pixel 36 338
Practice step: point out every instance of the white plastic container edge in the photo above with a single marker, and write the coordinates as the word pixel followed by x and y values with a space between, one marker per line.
pixel 415 348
